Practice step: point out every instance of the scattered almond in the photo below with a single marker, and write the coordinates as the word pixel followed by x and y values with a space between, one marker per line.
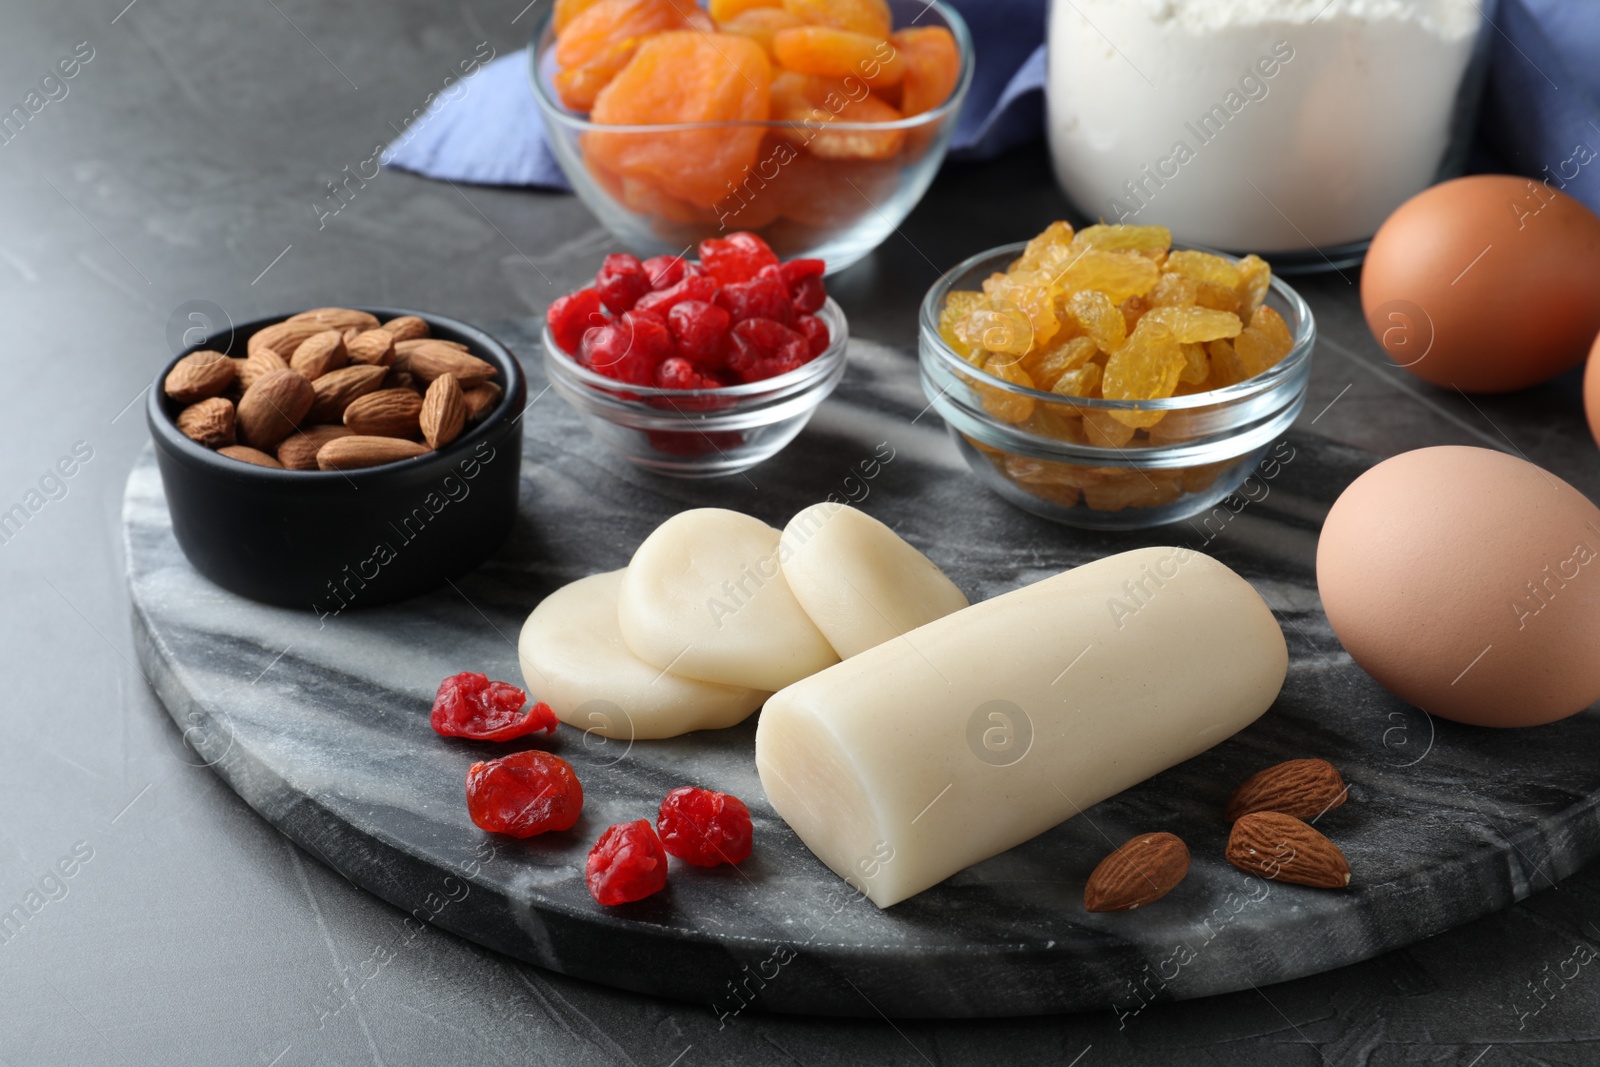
pixel 319 354
pixel 444 411
pixel 1304 788
pixel 426 360
pixel 386 413
pixel 372 346
pixel 249 455
pixel 357 451
pixel 210 422
pixel 337 318
pixel 407 328
pixel 480 399
pixel 1141 872
pixel 272 407
pixel 199 376
pixel 298 452
pixel 336 389
pixel 1281 848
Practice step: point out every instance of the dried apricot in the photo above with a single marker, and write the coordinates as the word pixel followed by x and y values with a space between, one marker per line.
pixel 600 40
pixel 761 25
pixel 932 65
pixel 685 76
pixel 860 16
pixel 566 11
pixel 835 53
pixel 724 10
pixel 815 104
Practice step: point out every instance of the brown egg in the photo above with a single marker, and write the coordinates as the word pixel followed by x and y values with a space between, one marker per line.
pixel 1487 284
pixel 1591 390
pixel 1467 582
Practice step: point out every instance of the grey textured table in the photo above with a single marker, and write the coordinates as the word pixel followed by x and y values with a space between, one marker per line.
pixel 188 158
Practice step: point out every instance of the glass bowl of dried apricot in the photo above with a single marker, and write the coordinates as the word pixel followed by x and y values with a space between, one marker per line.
pixel 817 124
pixel 1108 380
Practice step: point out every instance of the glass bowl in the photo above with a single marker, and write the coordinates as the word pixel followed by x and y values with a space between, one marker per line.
pixel 836 210
pixel 1202 449
pixel 700 433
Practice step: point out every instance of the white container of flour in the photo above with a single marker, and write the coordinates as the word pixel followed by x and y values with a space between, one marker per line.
pixel 1290 128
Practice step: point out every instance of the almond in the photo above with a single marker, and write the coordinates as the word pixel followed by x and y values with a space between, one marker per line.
pixel 1304 788
pixel 400 379
pixel 405 348
pixel 210 422
pixel 249 455
pixel 337 318
pixel 428 359
pixel 1281 848
pixel 272 407
pixel 480 399
pixel 319 354
pixel 372 346
pixel 335 390
pixel 1141 872
pixel 407 328
pixel 199 376
pixel 262 361
pixel 282 337
pixel 386 413
pixel 356 451
pixel 444 411
pixel 298 452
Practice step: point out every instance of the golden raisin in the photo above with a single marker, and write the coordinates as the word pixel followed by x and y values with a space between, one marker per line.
pixel 1255 278
pixel 1057 235
pixel 1028 294
pixel 1145 367
pixel 1047 365
pixel 957 306
pixel 1196 365
pixel 1271 323
pixel 1003 405
pixel 1196 324
pixel 1118 275
pixel 1081 382
pixel 1006 331
pixel 1204 267
pixel 1124 238
pixel 1173 290
pixel 1100 318
pixel 1226 367
pixel 1103 429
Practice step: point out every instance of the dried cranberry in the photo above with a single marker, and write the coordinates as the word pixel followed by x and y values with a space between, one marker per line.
pixel 758 298
pixel 704 828
pixel 664 271
pixel 524 794
pixel 621 282
pixel 815 331
pixel 470 705
pixel 808 295
pixel 701 330
pixel 735 258
pixel 571 316
pixel 763 348
pixel 694 442
pixel 626 864
pixel 692 287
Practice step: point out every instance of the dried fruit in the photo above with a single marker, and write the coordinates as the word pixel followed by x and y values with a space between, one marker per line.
pixel 1281 848
pixel 480 399
pixel 1195 325
pixel 406 328
pixel 208 422
pixel 761 25
pixel 282 338
pixel 246 454
pixel 839 53
pixel 199 376
pixel 1303 788
pixel 628 863
pixel 704 828
pixel 335 391
pixel 319 354
pixel 571 316
pixel 444 411
pixel 870 17
pixel 1007 406
pixel 298 452
pixel 358 451
pixel 758 298
pixel 385 413
pixel 272 407
pixel 932 67
pixel 1140 872
pixel 601 40
pixel 723 10
pixel 373 347
pixel 621 282
pixel 700 330
pixel 337 318
pixel 470 705
pixel 1100 319
pixel 524 794
pixel 738 257
pixel 429 359
pixel 1145 367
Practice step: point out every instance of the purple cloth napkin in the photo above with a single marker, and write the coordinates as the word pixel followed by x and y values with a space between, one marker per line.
pixel 1540 116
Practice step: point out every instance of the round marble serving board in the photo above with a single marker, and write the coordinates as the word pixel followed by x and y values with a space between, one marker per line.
pixel 321 725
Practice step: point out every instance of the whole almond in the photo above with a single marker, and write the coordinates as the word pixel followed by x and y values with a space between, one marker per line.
pixel 1281 848
pixel 335 390
pixel 400 379
pixel 372 346
pixel 272 407
pixel 209 422
pixel 1304 788
pixel 481 398
pixel 246 454
pixel 405 348
pixel 337 318
pixel 319 354
pixel 282 337
pixel 199 376
pixel 407 328
pixel 298 452
pixel 429 359
pixel 444 411
pixel 1141 872
pixel 357 451
pixel 386 413
pixel 261 361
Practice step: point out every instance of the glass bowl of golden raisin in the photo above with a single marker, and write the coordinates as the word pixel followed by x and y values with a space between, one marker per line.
pixel 1106 379
pixel 816 124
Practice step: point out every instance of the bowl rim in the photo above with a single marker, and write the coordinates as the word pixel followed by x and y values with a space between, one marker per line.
pixel 165 432
pixel 818 367
pixel 554 109
pixel 1305 337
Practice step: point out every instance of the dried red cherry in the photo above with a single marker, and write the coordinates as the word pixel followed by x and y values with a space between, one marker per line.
pixel 735 258
pixel 705 828
pixel 692 287
pixel 470 705
pixel 679 373
pixel 626 864
pixel 763 348
pixel 758 298
pixel 571 316
pixel 701 330
pixel 796 270
pixel 815 331
pixel 808 295
pixel 609 350
pixel 621 282
pixel 524 794
pixel 664 271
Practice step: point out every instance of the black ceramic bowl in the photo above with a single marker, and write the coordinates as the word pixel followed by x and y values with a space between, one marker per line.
pixel 330 541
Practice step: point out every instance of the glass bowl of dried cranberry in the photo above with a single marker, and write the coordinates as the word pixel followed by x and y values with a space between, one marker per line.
pixel 697 369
